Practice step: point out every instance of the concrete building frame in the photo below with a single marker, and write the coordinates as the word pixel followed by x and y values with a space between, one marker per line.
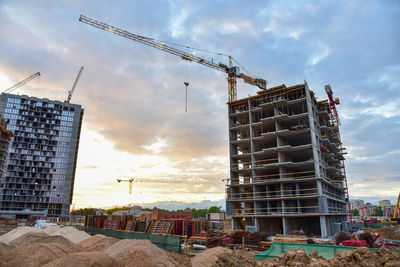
pixel 286 164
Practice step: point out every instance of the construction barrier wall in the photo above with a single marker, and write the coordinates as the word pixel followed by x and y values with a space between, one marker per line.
pixel 326 251
pixel 369 225
pixel 171 243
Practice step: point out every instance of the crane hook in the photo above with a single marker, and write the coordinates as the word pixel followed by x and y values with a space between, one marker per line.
pixel 186 84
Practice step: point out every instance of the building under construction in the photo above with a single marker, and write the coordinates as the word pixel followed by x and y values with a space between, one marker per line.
pixel 286 163
pixel 40 172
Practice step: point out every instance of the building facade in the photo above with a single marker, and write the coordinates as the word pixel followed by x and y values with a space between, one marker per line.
pixel 41 158
pixel 356 203
pixel 384 203
pixel 286 164
pixel 5 140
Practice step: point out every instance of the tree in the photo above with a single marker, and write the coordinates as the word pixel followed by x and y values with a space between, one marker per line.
pixel 355 212
pixel 379 211
pixel 214 209
pixel 84 212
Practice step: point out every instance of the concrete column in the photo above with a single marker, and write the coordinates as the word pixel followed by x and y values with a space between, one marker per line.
pixel 297 194
pixel 252 147
pixel 285 226
pixel 257 224
pixel 324 228
pixel 314 141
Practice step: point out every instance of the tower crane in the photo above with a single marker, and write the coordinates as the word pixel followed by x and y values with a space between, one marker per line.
pixel 156 181
pixel 70 92
pixel 15 86
pixel 130 181
pixel 233 72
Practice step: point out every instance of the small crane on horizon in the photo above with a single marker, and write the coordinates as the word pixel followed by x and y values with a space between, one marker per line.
pixel 130 183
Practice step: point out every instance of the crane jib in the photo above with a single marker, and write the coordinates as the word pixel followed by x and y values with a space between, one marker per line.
pixel 232 71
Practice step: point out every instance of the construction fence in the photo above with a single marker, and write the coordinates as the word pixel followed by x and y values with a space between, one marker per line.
pixel 171 243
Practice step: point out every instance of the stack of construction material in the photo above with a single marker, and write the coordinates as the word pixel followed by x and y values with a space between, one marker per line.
pixel 291 238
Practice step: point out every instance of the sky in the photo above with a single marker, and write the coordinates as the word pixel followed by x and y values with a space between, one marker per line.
pixel 135 124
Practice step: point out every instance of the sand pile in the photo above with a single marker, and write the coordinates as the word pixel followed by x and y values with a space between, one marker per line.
pixel 35 254
pixel 84 259
pixel 17 232
pixel 48 239
pixel 130 252
pixel 102 244
pixel 51 229
pixel 70 233
pixel 27 238
pixel 209 257
pixel 4 248
pixel 91 241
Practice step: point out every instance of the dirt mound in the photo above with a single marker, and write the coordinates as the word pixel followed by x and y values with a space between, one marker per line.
pixel 103 244
pixel 237 258
pixel 365 257
pixel 296 258
pixel 84 259
pixel 128 252
pixel 35 254
pixel 27 238
pixel 209 257
pixel 91 241
pixel 388 232
pixel 181 258
pixel 361 257
pixel 4 249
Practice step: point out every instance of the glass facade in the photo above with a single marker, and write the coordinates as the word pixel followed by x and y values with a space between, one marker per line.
pixel 42 155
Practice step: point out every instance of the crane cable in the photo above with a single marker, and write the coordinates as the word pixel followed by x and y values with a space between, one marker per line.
pixel 206 51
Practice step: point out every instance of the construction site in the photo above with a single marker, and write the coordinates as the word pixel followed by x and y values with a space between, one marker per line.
pixel 287 198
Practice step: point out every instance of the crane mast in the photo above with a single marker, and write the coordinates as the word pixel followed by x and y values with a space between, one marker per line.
pixel 70 92
pixel 232 71
pixel 21 83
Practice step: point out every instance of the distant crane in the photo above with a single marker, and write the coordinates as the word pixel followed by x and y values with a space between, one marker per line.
pixel 156 181
pixel 12 88
pixel 130 183
pixel 70 92
pixel 232 71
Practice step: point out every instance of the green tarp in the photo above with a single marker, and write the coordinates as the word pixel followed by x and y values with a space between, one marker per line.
pixel 327 251
pixel 368 225
pixel 170 243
